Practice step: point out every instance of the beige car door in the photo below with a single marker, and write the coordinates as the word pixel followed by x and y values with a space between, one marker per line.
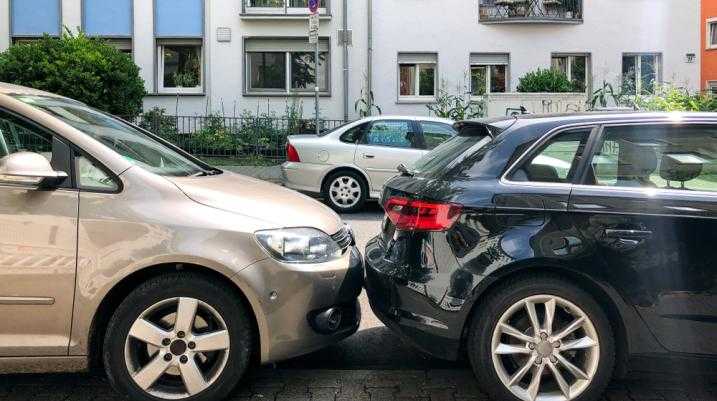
pixel 38 250
pixel 386 144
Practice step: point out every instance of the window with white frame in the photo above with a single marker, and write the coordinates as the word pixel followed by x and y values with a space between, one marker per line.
pixel 641 72
pixel 489 73
pixel 285 66
pixel 576 67
pixel 179 30
pixel 180 66
pixel 282 6
pixel 712 33
pixel 417 76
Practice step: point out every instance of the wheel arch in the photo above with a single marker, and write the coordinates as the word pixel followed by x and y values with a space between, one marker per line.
pixel 122 288
pixel 605 296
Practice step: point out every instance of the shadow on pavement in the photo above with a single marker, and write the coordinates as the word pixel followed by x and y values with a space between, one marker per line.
pixel 373 348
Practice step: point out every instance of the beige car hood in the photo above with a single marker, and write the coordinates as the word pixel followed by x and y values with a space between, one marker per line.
pixel 279 206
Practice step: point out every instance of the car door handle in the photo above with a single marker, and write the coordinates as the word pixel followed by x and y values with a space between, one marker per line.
pixel 367 156
pixel 637 235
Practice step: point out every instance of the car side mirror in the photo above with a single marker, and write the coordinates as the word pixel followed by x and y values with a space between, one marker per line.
pixel 29 169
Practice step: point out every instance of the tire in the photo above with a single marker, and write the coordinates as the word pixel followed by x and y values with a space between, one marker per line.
pixel 346 185
pixel 509 302
pixel 217 311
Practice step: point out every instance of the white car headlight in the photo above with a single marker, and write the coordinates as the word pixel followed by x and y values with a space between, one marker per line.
pixel 299 245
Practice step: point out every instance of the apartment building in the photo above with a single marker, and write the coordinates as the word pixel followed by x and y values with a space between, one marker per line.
pixel 708 24
pixel 233 55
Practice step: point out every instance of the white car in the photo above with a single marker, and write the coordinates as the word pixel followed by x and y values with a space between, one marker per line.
pixel 351 163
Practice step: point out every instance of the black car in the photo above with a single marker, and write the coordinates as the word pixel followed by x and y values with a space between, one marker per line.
pixel 554 251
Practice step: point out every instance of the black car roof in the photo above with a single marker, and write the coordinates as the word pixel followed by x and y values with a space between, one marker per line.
pixel 607 116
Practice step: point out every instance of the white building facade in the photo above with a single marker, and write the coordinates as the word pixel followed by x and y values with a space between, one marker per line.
pixel 227 56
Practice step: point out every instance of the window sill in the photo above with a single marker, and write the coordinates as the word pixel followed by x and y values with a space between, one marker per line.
pixel 284 94
pixel 174 94
pixel 416 100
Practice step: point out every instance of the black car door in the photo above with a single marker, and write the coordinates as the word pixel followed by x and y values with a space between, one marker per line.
pixel 647 212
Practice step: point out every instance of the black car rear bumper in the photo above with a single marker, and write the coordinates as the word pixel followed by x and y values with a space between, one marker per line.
pixel 391 300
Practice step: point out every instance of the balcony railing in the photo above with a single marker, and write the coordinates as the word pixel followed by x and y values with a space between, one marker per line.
pixel 535 11
pixel 281 8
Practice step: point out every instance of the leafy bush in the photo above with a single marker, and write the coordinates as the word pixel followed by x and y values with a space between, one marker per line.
pixel 456 107
pixel 671 98
pixel 158 122
pixel 215 137
pixel 546 80
pixel 85 69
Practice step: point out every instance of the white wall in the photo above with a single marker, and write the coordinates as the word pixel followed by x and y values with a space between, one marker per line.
pixel 610 28
pixel 448 27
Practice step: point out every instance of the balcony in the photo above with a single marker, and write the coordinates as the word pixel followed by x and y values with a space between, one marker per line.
pixel 531 11
pixel 281 9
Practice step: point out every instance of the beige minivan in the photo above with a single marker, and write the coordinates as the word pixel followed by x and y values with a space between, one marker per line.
pixel 121 250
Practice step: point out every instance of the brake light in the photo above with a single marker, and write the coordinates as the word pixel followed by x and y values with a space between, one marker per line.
pixel 417 215
pixel 291 154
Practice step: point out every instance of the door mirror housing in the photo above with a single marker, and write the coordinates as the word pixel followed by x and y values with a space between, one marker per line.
pixel 29 169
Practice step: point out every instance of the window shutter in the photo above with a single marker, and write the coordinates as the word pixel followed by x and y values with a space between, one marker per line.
pixel 417 58
pixel 35 17
pixel 179 18
pixel 107 18
pixel 283 45
pixel 489 59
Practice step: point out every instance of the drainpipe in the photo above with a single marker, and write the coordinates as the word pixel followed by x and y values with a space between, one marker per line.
pixel 369 53
pixel 346 59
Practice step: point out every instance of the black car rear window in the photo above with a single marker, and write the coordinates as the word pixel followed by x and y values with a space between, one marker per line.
pixel 437 161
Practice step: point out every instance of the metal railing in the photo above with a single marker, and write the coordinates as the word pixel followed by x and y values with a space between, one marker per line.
pixel 281 7
pixel 231 138
pixel 545 11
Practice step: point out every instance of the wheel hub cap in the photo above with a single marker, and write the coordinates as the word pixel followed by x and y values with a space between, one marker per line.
pixel 544 349
pixel 178 347
pixel 345 191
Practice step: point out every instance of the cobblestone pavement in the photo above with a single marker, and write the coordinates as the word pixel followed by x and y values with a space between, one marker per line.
pixel 372 365
pixel 350 385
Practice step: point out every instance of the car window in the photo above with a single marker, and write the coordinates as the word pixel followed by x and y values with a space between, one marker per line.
pixel 352 135
pixel 656 156
pixel 435 133
pixel 395 134
pixel 556 161
pixel 93 177
pixel 15 136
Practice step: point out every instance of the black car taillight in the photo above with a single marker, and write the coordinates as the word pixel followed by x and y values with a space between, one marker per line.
pixel 418 215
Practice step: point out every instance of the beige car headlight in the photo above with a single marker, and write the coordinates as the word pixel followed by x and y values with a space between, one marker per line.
pixel 299 245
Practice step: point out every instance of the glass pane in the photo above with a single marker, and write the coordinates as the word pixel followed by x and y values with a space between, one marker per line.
pixel 427 80
pixel 713 34
pixel 132 144
pixel 498 81
pixel 267 70
pixel 91 176
pixel 578 70
pixel 648 73
pixel 305 3
pixel 266 3
pixel 557 161
pixel 182 66
pixel 658 157
pixel 408 80
pixel 395 134
pixel 560 64
pixel 15 137
pixel 478 80
pixel 303 71
pixel 629 66
pixel 435 134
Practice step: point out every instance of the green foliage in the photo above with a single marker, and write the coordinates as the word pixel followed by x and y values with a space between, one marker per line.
pixel 671 98
pixel 456 107
pixel 546 80
pixel 366 104
pixel 601 97
pixel 82 68
pixel 215 137
pixel 158 122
